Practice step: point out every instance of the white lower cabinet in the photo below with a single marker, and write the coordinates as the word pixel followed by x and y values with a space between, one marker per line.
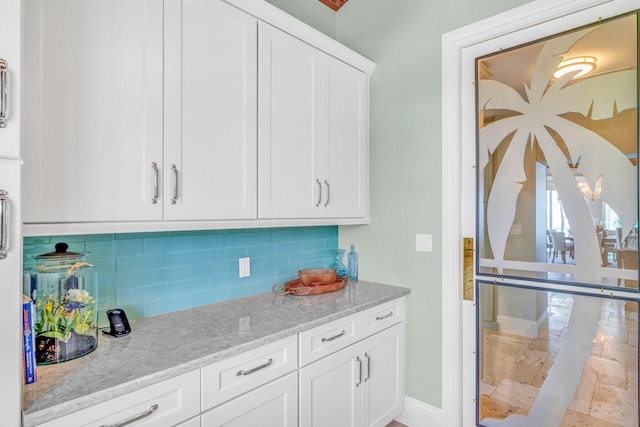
pixel 330 390
pixel 383 388
pixel 362 385
pixel 348 372
pixel 167 403
pixel 273 404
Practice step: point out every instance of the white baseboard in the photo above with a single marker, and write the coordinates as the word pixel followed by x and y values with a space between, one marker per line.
pixel 521 327
pixel 419 414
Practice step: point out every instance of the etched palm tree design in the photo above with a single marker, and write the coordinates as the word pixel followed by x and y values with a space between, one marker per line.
pixel 536 119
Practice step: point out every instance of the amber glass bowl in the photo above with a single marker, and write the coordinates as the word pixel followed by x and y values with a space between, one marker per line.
pixel 317 276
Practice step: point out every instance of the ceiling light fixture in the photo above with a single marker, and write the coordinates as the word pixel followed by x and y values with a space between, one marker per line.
pixel 582 64
pixel 586 190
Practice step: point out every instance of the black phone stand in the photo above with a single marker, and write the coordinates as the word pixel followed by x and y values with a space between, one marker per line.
pixel 119 325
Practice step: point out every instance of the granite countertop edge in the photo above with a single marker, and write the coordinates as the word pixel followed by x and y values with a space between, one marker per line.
pixel 34 415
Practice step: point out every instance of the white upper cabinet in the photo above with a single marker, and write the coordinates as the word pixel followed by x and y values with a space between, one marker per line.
pixel 9 78
pixel 210 111
pixel 345 139
pixel 290 138
pixel 146 115
pixel 93 109
pixel 313 121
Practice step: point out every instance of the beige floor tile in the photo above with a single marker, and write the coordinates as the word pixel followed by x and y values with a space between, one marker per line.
pixel 614 405
pixel 576 419
pixel 516 394
pixel 607 395
pixel 497 409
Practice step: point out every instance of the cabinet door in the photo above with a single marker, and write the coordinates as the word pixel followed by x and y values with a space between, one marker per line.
pixel 290 164
pixel 330 390
pixel 383 391
pixel 274 404
pixel 345 139
pixel 210 111
pixel 93 102
pixel 11 273
pixel 10 34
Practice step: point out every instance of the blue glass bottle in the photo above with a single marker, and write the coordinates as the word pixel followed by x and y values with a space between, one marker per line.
pixel 352 262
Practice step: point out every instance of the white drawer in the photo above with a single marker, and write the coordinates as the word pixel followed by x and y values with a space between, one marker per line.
pixel 231 377
pixel 329 338
pixel 382 316
pixel 177 399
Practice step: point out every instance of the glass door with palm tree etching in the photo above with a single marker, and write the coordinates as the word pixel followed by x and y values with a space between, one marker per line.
pixel 557 229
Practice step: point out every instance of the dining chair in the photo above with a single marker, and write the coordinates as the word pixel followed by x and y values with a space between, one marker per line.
pixel 609 245
pixel 561 246
pixel 549 245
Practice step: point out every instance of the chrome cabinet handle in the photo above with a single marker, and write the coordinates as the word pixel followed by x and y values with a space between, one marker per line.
pixel 389 314
pixel 319 192
pixel 257 368
pixel 359 371
pixel 333 337
pixel 154 167
pixel 366 355
pixel 135 418
pixel 4 223
pixel 4 93
pixel 327 184
pixel 174 173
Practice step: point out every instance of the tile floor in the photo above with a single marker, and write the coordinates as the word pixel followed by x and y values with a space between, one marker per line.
pixel 608 393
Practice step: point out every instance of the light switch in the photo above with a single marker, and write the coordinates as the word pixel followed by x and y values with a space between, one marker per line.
pixel 516 230
pixel 424 243
pixel 244 265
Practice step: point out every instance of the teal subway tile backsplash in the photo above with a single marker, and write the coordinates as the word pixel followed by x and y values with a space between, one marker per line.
pixel 154 273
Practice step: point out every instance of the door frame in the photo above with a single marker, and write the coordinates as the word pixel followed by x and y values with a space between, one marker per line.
pixel 455 169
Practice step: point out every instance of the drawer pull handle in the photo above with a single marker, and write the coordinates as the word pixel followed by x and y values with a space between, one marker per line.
pixel 389 314
pixel 4 89
pixel 151 410
pixel 257 368
pixel 4 224
pixel 333 337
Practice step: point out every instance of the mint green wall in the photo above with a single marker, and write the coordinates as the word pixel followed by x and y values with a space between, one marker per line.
pixel 404 39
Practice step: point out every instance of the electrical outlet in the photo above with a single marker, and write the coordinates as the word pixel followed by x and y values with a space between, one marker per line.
pixel 244 265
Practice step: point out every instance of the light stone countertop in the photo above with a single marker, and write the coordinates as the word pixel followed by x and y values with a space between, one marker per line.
pixel 167 345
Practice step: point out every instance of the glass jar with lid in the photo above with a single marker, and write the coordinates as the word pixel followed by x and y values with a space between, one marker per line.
pixel 64 289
